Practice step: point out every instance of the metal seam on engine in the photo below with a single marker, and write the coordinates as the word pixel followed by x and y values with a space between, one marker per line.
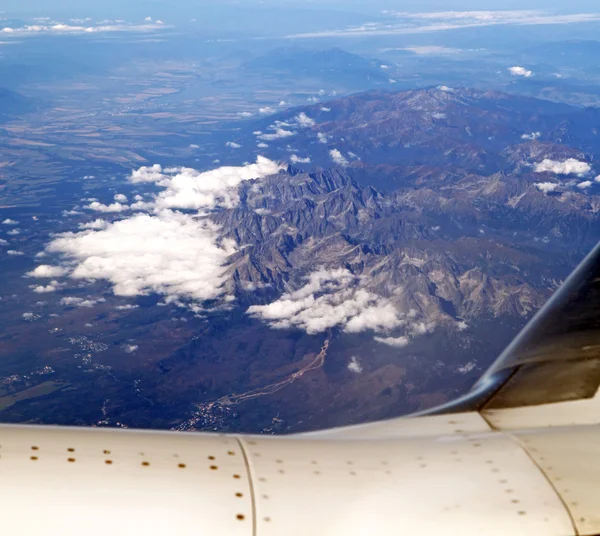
pixel 250 483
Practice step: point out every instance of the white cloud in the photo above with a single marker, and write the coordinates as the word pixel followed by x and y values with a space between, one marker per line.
pixel 338 157
pixel 28 316
pixel 397 342
pixel 546 187
pixel 517 70
pixel 302 120
pixel 113 207
pixel 322 138
pixel 232 145
pixel 295 159
pixel 245 114
pixel 584 185
pixel 279 134
pixel 567 167
pixel 406 23
pixel 532 136
pixel 189 189
pixel 325 109
pixel 80 302
pixel 169 252
pixel 96 224
pixel 427 50
pixel 148 19
pixel 128 307
pixel 121 198
pixel 262 145
pixel 14 232
pixel 14 252
pixel 354 365
pixel 3 242
pixel 53 286
pixel 47 27
pixel 468 367
pixel 329 299
pixel 45 270
pixel 266 110
pixel 462 325
pixel 130 348
pixel 597 179
pixel 8 221
pixel 194 146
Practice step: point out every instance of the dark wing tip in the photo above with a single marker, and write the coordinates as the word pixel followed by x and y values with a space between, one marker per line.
pixel 555 358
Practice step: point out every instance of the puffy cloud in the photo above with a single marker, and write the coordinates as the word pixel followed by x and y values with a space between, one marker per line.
pixel 28 316
pixel 279 134
pixel 170 253
pixel 167 252
pixel 45 270
pixel 262 145
pixel 232 145
pixel 113 207
pixel 397 342
pixel 8 221
pixel 266 110
pixel 120 198
pixel 245 114
pixel 302 120
pixel 547 187
pixel 147 174
pixel 329 299
pixel 14 232
pixel 190 189
pixel 597 179
pixel 96 224
pixel 295 159
pixel 567 167
pixel 584 185
pixel 517 70
pixel 130 348
pixel 532 136
pixel 128 307
pixel 338 157
pixel 80 302
pixel 14 252
pixel 3 242
pixel 53 286
pixel 322 138
pixel 354 365
pixel 325 109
